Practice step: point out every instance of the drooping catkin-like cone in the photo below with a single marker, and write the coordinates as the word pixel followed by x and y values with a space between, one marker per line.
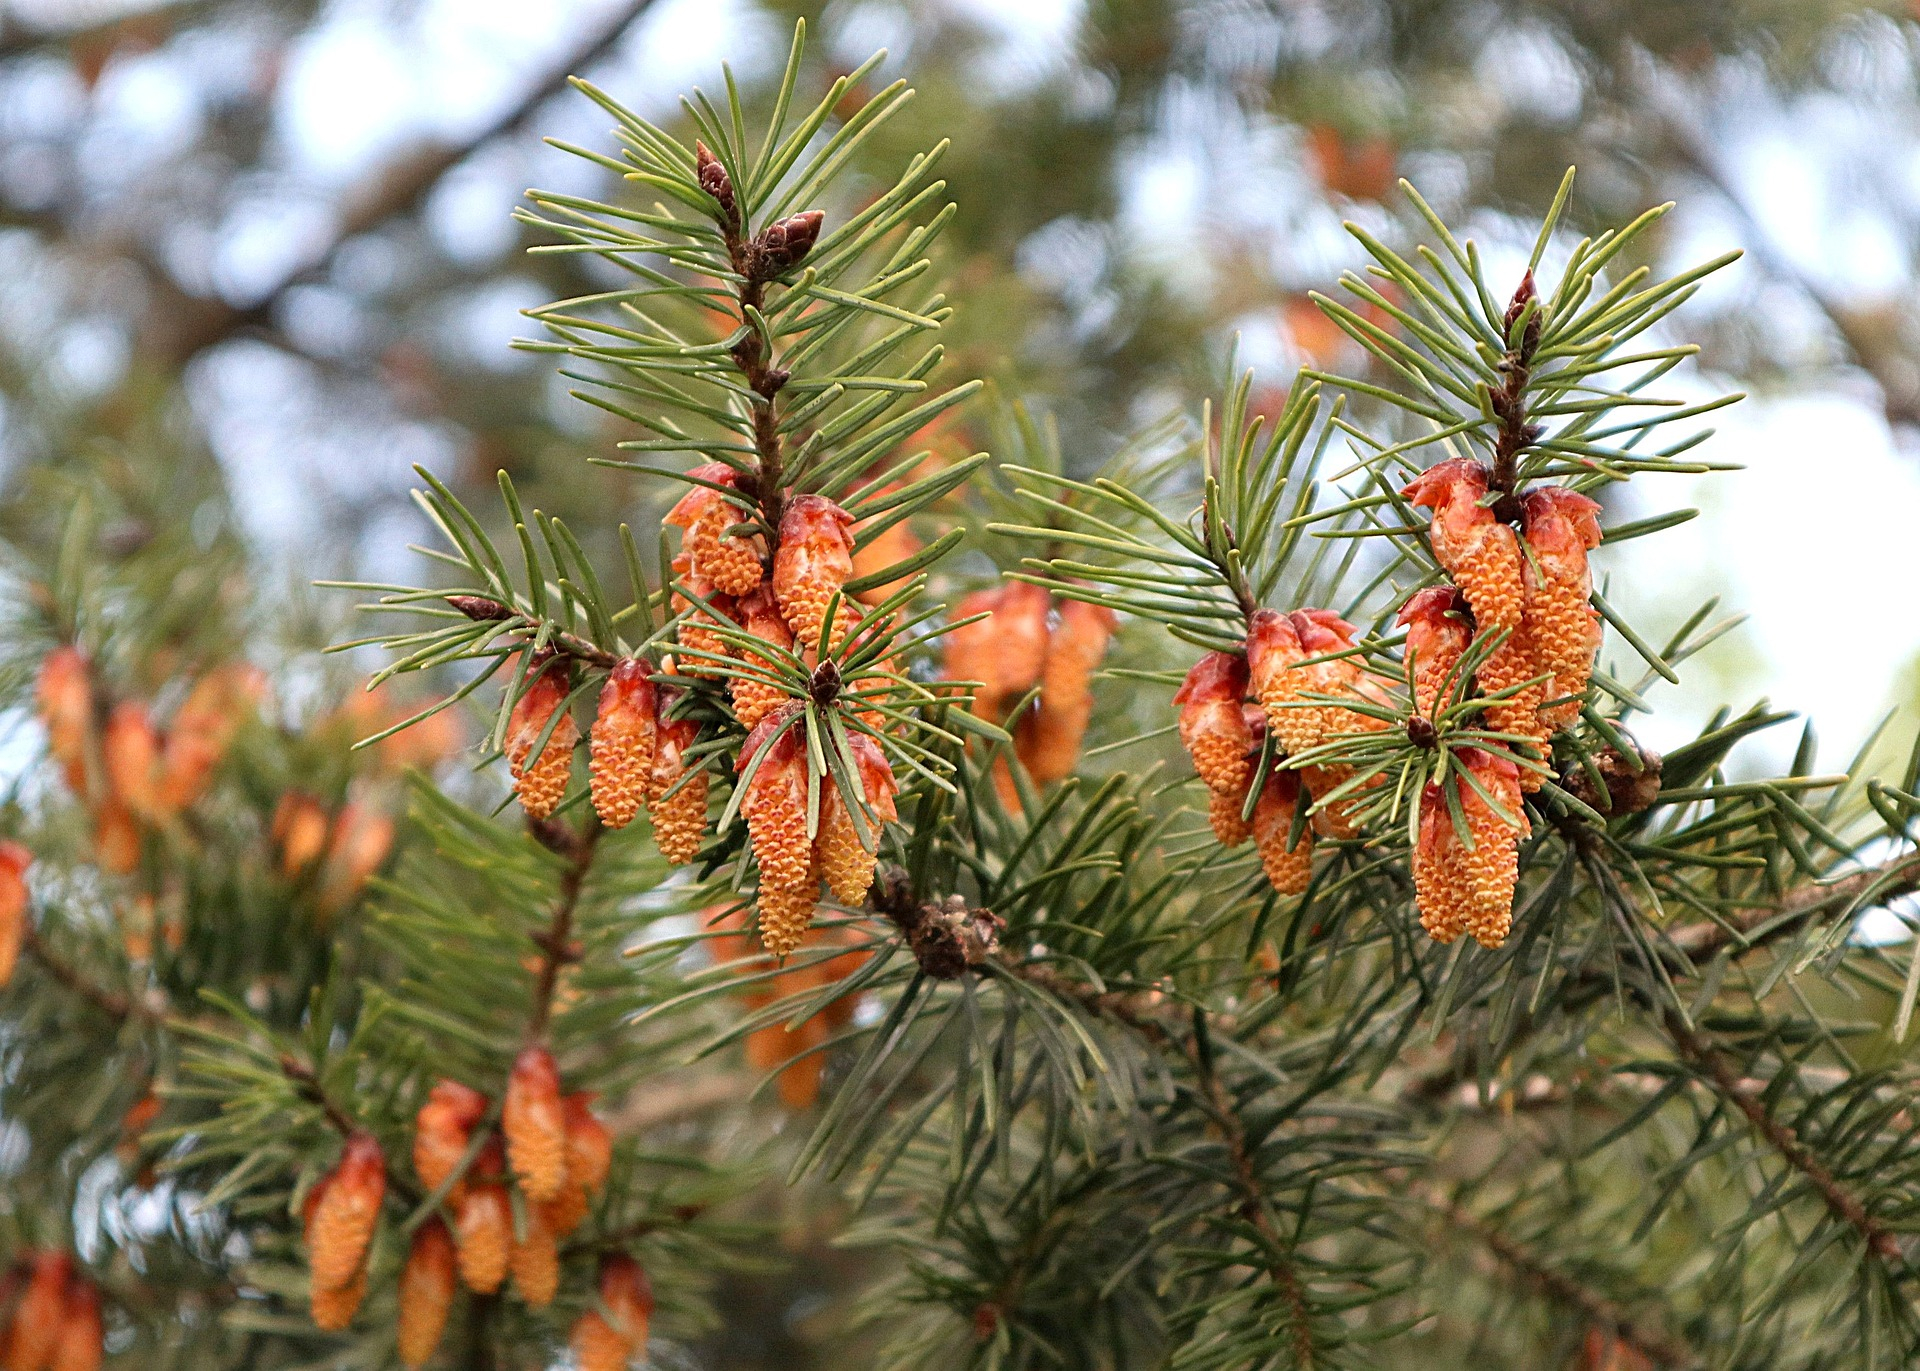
pixel 541 782
pixel 704 515
pixel 441 1132
pixel 534 1123
pixel 535 1260
pixel 426 1292
pixel 203 728
pixel 333 1310
pixel 1561 528
pixel 14 913
pixel 567 1210
pixel 890 547
pixel 38 1318
pixel 64 695
pixel 621 744
pixel 116 838
pixel 754 699
pixel 1274 654
pixel 1048 741
pixel 846 856
pixel 692 631
pixel 1479 552
pixel 597 1345
pixel 1436 884
pixel 1225 818
pixel 1439 627
pixel 814 559
pixel 627 1296
pixel 1489 872
pixel 1213 724
pixel 1289 869
pixel 785 915
pixel 345 1214
pixel 82 1342
pixel 775 804
pixel 131 748
pixel 299 831
pixel 360 840
pixel 589 1144
pixel 483 1227
pixel 678 806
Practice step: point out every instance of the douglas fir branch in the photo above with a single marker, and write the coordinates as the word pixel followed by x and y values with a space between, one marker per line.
pixel 853 850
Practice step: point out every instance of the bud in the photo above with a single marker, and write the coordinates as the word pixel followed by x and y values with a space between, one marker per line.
pixel 1289 869
pixel 846 860
pixel 535 1125
pixel 753 698
pixel 596 1346
pixel 566 1211
pixel 1323 633
pixel 82 1342
pixel 131 748
pixel 441 1132
pixel 731 565
pixel 426 1292
pixel 1048 742
pixel 1225 816
pixel 775 804
pixel 541 781
pixel 299 831
pixel 589 1144
pixel 341 1224
pixel 814 560
pixel 1561 528
pixel 1213 726
pixel 204 728
pixel 627 1297
pixel 116 838
pixel 714 181
pixel 889 547
pixel 333 1310
pixel 1479 552
pixel 14 912
pixel 1439 628
pixel 65 698
pixel 678 807
pixel 692 631
pixel 361 839
pixel 483 1225
pixel 782 244
pixel 622 743
pixel 41 1313
pixel 1005 652
pixel 785 915
pixel 1274 654
pixel 535 1260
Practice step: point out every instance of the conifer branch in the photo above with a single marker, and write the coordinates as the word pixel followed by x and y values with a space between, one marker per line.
pixel 109 1002
pixel 557 948
pixel 1656 1346
pixel 1711 1063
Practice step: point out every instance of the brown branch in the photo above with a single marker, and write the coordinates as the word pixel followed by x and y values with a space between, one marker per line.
pixel 182 324
pixel 1652 1344
pixel 112 1003
pixel 1713 1065
pixel 1253 1201
pixel 557 948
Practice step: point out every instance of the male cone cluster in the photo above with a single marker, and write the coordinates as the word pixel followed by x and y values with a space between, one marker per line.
pixel 1534 587
pixel 134 775
pixel 842 847
pixel 548 1144
pixel 606 1337
pixel 52 1316
pixel 1029 639
pixel 1288 681
pixel 1529 593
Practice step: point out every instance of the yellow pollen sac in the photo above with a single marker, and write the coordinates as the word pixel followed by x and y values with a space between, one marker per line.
pixel 785 915
pixel 1224 816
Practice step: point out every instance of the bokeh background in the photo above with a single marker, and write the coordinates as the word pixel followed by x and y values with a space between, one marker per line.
pixel 275 236
pixel 257 259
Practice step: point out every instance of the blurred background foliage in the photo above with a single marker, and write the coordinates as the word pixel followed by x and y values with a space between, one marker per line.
pixel 257 259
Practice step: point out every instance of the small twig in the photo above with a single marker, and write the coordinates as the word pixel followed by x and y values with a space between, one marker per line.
pixel 557 948
pixel 109 1002
pixel 1713 1065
